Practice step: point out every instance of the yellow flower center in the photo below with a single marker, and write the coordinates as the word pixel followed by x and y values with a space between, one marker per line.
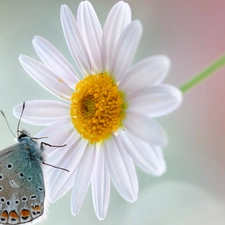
pixel 97 107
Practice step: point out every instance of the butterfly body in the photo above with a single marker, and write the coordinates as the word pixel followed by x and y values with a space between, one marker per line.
pixel 22 190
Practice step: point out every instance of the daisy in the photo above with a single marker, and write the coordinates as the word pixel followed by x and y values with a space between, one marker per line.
pixel 107 118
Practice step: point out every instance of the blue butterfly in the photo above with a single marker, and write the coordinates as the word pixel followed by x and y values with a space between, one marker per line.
pixel 22 188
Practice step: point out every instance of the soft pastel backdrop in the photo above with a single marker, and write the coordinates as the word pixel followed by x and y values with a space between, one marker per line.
pixel 192 34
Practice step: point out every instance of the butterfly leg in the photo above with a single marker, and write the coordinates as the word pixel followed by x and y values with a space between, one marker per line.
pixel 53 146
pixel 56 146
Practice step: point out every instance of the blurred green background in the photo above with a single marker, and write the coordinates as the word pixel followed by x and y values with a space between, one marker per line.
pixel 192 34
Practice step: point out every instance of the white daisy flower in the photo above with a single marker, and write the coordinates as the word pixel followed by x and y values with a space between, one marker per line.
pixel 107 120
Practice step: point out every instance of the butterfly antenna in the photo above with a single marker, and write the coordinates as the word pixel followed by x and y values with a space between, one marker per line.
pixel 20 119
pixel 55 166
pixel 7 123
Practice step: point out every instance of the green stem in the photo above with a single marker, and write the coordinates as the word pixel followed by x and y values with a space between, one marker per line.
pixel 203 75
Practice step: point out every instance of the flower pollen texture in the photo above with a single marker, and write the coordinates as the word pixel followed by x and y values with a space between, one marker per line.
pixel 97 107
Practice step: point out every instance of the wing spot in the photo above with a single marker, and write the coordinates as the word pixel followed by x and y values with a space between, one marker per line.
pixel 1 177
pixel 1 188
pixel 32 197
pixel 9 166
pixel 24 217
pixel 13 216
pixel 4 216
pixel 25 214
pixel 29 178
pixel 37 207
pixel 36 210
pixel 2 199
pixel 21 175
pixel 17 202
pixel 40 189
pixel 13 184
pixel 8 202
pixel 24 198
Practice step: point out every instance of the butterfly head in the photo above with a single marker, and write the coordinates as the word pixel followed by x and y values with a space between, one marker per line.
pixel 30 144
pixel 23 134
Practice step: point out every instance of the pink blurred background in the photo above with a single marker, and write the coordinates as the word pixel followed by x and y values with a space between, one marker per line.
pixel 192 34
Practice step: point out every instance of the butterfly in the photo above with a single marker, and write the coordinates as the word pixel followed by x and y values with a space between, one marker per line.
pixel 22 188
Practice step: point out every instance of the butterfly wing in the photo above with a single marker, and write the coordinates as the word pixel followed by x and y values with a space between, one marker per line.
pixel 22 190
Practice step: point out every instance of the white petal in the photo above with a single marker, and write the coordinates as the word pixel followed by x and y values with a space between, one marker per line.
pixel 125 49
pixel 62 188
pixel 145 128
pixel 147 157
pixel 83 175
pixel 155 101
pixel 57 133
pixel 75 41
pixel 101 186
pixel 148 72
pixel 121 169
pixel 61 181
pixel 118 18
pixel 91 32
pixel 159 153
pixel 54 157
pixel 72 140
pixel 46 77
pixel 55 61
pixel 42 112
